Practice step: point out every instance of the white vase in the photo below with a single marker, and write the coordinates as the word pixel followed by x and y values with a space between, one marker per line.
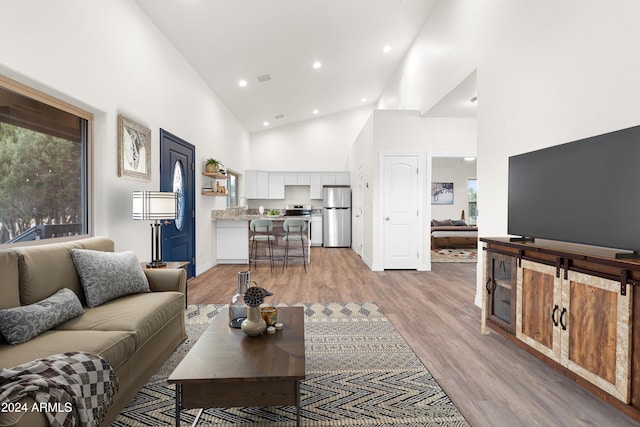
pixel 254 324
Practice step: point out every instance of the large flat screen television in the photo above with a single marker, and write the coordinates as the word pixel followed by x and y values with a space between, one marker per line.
pixel 586 191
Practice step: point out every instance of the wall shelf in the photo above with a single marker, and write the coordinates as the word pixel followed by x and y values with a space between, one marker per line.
pixel 213 193
pixel 214 176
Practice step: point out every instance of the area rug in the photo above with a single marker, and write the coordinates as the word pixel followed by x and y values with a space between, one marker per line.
pixel 454 255
pixel 359 372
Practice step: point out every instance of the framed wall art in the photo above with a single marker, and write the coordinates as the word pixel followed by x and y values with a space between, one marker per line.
pixel 134 149
pixel 442 193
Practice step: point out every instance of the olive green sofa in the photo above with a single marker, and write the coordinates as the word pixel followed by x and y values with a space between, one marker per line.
pixel 134 333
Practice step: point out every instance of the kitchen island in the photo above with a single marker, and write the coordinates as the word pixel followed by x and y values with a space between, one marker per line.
pixel 232 236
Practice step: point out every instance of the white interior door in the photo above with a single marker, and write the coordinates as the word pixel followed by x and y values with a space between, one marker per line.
pixel 400 211
pixel 357 230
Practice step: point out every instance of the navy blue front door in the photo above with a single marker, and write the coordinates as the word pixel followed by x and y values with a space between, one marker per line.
pixel 177 175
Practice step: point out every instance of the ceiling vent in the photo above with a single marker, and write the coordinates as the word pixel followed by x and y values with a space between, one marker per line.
pixel 264 78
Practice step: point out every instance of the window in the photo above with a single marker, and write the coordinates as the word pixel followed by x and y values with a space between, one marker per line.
pixel 472 187
pixel 44 166
pixel 232 190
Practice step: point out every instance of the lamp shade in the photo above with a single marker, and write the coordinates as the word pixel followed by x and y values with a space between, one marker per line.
pixel 154 205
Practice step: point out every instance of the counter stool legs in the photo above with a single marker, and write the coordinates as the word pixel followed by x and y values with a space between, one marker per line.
pixel 261 231
pixel 294 230
pixel 253 252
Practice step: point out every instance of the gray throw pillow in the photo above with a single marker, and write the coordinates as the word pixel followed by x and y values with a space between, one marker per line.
pixel 20 324
pixel 108 275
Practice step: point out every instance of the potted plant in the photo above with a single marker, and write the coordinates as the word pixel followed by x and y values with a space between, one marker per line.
pixel 212 165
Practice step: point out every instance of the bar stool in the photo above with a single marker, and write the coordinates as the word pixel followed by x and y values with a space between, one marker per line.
pixel 261 232
pixel 294 230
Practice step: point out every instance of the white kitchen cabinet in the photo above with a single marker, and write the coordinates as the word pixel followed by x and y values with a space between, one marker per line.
pixel 263 185
pixel 328 178
pixel 291 178
pixel 276 185
pixel 232 242
pixel 304 178
pixel 343 178
pixel 316 230
pixel 251 184
pixel 271 185
pixel 316 185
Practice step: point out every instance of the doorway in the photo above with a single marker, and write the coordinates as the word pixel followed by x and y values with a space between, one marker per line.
pixel 358 214
pixel 453 214
pixel 177 175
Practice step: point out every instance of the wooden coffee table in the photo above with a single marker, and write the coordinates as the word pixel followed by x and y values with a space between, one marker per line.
pixel 225 368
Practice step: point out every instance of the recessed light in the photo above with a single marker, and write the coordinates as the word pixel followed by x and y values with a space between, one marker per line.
pixel 386 49
pixel 315 111
pixel 363 100
pixel 242 83
pixel 317 65
pixel 265 124
pixel 469 159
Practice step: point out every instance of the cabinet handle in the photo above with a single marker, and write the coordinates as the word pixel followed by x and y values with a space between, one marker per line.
pixel 487 286
pixel 562 324
pixel 553 315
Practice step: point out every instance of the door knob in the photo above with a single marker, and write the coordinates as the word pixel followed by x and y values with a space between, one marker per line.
pixel 387 219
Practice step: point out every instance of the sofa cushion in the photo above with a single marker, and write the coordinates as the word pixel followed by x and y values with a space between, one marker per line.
pixel 45 269
pixel 142 314
pixel 9 280
pixel 115 346
pixel 108 275
pixel 20 324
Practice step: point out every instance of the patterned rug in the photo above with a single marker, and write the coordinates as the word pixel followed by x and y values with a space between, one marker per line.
pixel 359 372
pixel 454 255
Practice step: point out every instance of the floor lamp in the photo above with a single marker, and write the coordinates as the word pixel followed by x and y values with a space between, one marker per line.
pixel 155 206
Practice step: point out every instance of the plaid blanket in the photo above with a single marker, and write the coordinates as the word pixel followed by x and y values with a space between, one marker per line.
pixel 71 389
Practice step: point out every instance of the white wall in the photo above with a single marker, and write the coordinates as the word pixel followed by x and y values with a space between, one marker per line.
pixel 444 53
pixel 320 144
pixel 108 58
pixel 451 136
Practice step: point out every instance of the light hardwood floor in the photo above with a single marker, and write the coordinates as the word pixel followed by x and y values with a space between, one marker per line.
pixel 492 381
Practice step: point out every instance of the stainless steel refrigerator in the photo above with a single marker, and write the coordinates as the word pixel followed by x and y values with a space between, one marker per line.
pixel 336 217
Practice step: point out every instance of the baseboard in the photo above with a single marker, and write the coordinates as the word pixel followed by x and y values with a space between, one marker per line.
pixel 204 267
pixel 367 262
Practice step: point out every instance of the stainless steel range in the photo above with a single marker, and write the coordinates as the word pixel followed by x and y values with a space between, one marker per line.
pixel 298 210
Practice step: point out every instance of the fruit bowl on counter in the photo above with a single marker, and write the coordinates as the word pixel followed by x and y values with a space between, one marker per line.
pixel 273 213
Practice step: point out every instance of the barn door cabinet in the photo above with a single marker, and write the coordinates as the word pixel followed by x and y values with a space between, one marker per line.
pixel 500 290
pixel 576 308
pixel 578 320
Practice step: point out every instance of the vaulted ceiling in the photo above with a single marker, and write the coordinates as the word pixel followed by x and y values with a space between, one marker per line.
pixel 272 45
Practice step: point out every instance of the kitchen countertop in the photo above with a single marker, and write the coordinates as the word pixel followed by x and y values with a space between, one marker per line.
pixel 236 214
